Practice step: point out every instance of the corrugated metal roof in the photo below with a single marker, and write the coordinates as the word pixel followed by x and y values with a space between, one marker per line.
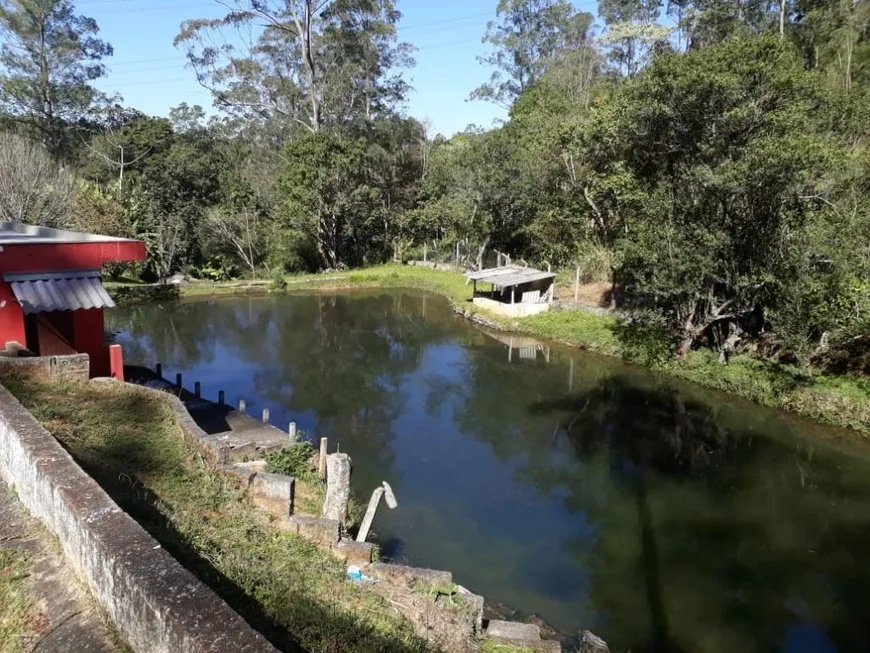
pixel 509 275
pixel 59 292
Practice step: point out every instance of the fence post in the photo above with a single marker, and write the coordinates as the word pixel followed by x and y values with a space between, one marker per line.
pixel 221 397
pixel 577 284
pixel 243 406
pixel 321 461
pixel 265 416
pixel 178 379
pixel 197 388
pixel 158 369
pixel 116 363
pixel 291 431
pixel 425 251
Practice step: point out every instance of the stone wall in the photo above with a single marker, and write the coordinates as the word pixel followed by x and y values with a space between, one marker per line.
pixel 75 367
pixel 156 604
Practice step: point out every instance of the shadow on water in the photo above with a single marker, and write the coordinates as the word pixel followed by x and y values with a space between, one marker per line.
pixel 712 538
pixel 661 516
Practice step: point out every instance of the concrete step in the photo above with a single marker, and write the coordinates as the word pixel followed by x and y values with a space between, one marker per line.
pixel 520 635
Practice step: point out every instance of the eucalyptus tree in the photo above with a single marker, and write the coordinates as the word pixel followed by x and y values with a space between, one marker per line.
pixel 528 37
pixel 312 64
pixel 49 58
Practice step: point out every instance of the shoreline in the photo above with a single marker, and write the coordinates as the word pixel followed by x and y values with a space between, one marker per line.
pixel 838 401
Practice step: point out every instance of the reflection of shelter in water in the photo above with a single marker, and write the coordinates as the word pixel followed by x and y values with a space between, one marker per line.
pixel 521 346
pixel 515 291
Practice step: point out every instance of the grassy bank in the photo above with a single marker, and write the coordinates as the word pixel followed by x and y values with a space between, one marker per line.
pixel 838 401
pixel 17 613
pixel 297 595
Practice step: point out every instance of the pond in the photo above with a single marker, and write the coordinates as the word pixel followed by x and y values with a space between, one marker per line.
pixel 577 488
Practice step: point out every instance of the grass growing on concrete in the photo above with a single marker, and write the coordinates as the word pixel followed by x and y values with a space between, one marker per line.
pixel 490 646
pixel 296 594
pixel 16 607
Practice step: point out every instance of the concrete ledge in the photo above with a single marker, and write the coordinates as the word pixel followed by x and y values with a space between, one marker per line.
pixel 274 492
pixel 155 603
pixel 320 530
pixel 434 577
pixel 74 367
pixel 354 553
pixel 520 635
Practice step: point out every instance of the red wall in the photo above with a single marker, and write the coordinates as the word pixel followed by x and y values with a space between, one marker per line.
pixel 67 256
pixel 54 334
pixel 89 338
pixel 11 317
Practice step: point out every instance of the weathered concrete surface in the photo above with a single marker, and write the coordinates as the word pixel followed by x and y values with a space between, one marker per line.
pixel 318 529
pixel 274 492
pixel 156 604
pixel 75 367
pixel 355 553
pixel 520 635
pixel 338 468
pixel 67 620
pixel 434 577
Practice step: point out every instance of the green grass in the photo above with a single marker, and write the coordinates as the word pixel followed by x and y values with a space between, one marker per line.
pixel 491 647
pixel 17 616
pixel 292 591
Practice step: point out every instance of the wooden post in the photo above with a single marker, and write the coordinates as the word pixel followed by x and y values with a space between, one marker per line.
pixel 197 388
pixel 178 379
pixel 243 406
pixel 577 284
pixel 158 369
pixel 291 431
pixel 116 363
pixel 221 397
pixel 265 416
pixel 321 462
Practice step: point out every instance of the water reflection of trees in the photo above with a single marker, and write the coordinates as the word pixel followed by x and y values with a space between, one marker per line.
pixel 715 529
pixel 176 334
pixel 340 358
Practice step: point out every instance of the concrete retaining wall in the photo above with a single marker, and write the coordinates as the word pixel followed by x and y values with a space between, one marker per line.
pixel 75 367
pixel 155 603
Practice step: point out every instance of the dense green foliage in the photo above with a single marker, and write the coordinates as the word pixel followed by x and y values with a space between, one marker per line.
pixel 706 158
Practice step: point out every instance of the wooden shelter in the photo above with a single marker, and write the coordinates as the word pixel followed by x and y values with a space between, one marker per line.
pixel 514 291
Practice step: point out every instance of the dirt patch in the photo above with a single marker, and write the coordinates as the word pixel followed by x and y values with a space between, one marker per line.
pixel 590 294
pixel 447 623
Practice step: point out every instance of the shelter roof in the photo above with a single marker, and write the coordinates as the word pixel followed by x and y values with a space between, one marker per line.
pixel 59 291
pixel 16 233
pixel 509 275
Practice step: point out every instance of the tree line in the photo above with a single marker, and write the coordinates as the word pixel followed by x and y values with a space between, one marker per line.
pixel 706 158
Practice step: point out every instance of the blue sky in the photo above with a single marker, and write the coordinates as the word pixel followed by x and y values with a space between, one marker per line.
pixel 151 76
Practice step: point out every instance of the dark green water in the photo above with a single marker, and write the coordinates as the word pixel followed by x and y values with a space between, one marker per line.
pixel 593 494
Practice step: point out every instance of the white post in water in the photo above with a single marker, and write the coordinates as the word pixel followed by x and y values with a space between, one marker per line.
pixel 321 462
pixel 383 491
pixel 243 406
pixel 265 416
pixel 291 431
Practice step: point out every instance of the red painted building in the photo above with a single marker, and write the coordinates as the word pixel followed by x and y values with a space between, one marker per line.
pixel 51 292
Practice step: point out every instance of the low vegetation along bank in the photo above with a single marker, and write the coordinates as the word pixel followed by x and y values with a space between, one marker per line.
pixel 129 441
pixel 842 401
